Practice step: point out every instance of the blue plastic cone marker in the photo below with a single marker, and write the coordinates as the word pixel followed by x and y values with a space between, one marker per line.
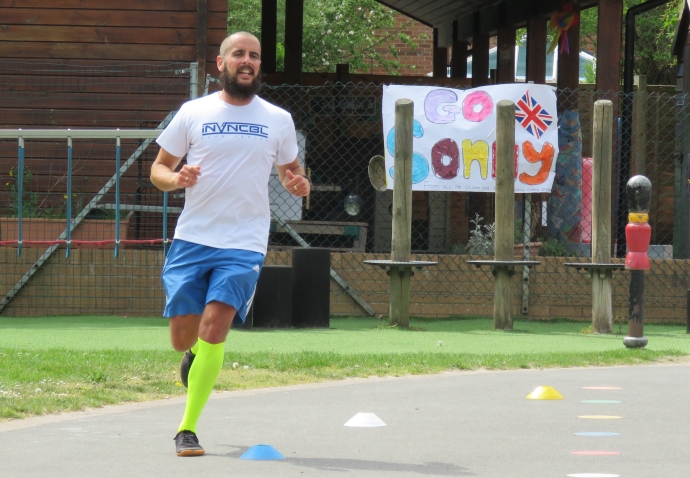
pixel 545 393
pixel 365 420
pixel 262 452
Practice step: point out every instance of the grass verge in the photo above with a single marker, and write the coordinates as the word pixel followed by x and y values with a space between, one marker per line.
pixel 42 373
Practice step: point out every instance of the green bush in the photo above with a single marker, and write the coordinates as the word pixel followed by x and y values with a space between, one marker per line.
pixel 556 248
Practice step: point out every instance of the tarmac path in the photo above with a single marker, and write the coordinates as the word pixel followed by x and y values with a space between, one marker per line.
pixel 474 424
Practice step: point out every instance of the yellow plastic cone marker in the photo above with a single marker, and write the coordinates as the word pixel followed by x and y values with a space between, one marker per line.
pixel 545 393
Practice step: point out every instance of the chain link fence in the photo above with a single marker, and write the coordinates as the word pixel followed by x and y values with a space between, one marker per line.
pixel 339 131
pixel 341 125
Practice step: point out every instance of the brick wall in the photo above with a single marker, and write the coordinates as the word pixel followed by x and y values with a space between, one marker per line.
pixel 92 281
pixel 416 62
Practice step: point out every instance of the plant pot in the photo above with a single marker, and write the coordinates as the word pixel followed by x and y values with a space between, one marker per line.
pixel 519 249
pixel 45 229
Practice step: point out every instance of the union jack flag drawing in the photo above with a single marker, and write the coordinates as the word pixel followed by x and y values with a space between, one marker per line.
pixel 532 116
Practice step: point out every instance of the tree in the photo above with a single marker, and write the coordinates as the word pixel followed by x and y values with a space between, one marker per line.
pixel 654 34
pixel 358 32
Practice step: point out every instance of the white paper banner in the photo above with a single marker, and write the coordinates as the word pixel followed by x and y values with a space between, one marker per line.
pixel 454 140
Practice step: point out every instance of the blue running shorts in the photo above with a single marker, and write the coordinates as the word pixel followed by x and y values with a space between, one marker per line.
pixel 194 275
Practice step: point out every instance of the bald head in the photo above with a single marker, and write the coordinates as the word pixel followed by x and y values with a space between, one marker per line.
pixel 230 40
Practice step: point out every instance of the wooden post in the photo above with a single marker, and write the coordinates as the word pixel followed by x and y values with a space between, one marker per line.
pixel 602 309
pixel 201 43
pixel 342 72
pixel 402 214
pixel 505 60
pixel 568 72
pixel 458 59
pixel 440 59
pixel 609 51
pixel 505 216
pixel 294 23
pixel 536 49
pixel 480 54
pixel 269 25
pixel 639 137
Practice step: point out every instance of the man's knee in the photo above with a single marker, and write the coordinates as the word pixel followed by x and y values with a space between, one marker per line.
pixel 216 322
pixel 184 331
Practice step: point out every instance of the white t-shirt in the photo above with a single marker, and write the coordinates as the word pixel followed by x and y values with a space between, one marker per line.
pixel 236 148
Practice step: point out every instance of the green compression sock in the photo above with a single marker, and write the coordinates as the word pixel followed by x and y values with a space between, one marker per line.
pixel 202 376
pixel 195 348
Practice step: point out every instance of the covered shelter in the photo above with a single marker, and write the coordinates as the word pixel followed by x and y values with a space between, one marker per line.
pixel 466 28
pixel 460 23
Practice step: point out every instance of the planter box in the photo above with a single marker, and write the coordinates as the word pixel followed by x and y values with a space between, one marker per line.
pixel 42 229
pixel 519 249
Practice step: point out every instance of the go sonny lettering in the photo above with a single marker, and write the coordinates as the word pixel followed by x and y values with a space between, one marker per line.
pixel 450 159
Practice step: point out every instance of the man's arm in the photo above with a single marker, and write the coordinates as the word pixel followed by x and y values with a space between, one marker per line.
pixel 293 178
pixel 163 174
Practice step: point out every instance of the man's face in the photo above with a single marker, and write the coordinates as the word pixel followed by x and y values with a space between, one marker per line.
pixel 240 73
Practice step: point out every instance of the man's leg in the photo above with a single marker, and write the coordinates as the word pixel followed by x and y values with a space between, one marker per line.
pixel 214 326
pixel 184 332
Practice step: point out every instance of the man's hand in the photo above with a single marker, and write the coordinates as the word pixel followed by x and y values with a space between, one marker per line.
pixel 297 185
pixel 187 176
pixel 163 174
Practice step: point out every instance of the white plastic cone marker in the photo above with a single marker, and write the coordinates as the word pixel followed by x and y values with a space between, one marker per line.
pixel 545 393
pixel 365 420
pixel 593 475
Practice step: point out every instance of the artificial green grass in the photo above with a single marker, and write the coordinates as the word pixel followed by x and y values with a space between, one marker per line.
pixel 49 365
pixel 346 335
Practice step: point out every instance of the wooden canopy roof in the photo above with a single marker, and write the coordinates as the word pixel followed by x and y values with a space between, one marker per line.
pixel 473 15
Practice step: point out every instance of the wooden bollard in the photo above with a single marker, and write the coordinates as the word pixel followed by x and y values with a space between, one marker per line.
pixel 602 308
pixel 505 216
pixel 402 214
pixel 638 234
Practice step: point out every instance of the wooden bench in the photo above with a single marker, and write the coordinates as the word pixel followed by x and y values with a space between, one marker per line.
pixel 355 230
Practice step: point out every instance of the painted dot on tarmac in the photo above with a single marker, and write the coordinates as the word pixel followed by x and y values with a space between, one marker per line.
pixel 602 388
pixel 601 401
pixel 600 417
pixel 593 475
pixel 595 453
pixel 597 434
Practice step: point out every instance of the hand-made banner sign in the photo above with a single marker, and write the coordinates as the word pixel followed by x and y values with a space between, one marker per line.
pixel 454 144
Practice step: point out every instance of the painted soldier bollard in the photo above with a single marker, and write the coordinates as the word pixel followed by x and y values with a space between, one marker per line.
pixel 637 234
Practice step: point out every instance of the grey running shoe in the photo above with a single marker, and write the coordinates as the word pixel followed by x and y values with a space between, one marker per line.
pixel 185 365
pixel 187 444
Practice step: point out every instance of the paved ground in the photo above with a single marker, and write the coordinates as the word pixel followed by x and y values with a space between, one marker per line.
pixel 455 424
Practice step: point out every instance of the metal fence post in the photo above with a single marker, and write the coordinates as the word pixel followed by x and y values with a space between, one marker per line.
pixel 193 80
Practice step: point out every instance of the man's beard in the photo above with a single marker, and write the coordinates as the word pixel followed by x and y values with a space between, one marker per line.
pixel 237 90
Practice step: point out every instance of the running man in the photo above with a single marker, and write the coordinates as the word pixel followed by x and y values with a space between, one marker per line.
pixel 232 139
